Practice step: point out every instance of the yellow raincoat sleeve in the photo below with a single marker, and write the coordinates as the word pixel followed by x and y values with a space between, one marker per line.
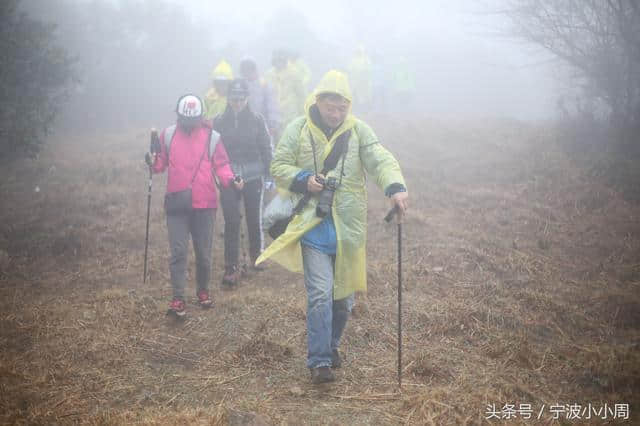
pixel 377 161
pixel 284 166
pixel 214 104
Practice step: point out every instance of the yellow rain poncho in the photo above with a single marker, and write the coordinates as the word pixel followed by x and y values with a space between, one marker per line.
pixel 302 70
pixel 360 75
pixel 365 154
pixel 289 88
pixel 214 102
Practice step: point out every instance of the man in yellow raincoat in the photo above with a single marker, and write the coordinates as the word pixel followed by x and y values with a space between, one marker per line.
pixel 288 86
pixel 330 249
pixel 301 69
pixel 360 75
pixel 215 100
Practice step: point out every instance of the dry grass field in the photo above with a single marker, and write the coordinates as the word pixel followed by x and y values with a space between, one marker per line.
pixel 521 286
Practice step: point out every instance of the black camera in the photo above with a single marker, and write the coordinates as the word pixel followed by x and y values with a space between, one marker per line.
pixel 325 199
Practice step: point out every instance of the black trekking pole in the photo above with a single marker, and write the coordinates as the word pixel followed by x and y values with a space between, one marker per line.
pixel 388 218
pixel 155 145
pixel 242 268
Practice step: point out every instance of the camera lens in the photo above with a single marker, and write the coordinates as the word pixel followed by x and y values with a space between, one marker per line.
pixel 325 199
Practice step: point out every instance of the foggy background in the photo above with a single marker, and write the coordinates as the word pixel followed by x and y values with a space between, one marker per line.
pixel 463 59
pixel 521 248
pixel 134 58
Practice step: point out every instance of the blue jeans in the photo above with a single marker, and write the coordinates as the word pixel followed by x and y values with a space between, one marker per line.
pixel 326 318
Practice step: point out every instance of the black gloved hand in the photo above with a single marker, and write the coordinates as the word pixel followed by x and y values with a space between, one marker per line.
pixel 154 147
pixel 148 159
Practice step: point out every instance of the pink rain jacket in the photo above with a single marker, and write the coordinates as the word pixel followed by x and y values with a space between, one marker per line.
pixel 186 150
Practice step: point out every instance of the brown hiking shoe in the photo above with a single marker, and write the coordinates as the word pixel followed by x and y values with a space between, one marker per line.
pixel 322 375
pixel 231 277
pixel 336 360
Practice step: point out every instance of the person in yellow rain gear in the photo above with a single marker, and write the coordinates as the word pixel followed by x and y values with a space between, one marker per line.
pixel 323 157
pixel 215 100
pixel 403 85
pixel 360 74
pixel 287 85
pixel 301 69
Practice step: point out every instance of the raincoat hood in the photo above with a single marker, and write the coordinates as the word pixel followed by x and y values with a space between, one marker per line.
pixel 222 71
pixel 332 82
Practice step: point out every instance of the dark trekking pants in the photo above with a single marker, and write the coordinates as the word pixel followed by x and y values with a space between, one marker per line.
pixel 231 198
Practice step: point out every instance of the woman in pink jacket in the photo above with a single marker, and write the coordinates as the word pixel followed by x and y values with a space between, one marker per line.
pixel 191 153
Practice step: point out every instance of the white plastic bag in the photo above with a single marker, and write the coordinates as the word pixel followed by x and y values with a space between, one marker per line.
pixel 280 207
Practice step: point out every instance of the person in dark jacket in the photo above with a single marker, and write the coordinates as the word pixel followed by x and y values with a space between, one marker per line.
pixel 248 144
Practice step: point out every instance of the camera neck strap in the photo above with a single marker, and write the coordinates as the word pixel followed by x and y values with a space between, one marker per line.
pixel 339 149
pixel 330 163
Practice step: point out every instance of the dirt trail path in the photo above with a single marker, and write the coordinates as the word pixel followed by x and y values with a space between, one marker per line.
pixel 522 278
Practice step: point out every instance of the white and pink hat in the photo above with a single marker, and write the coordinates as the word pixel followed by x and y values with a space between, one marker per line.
pixel 189 106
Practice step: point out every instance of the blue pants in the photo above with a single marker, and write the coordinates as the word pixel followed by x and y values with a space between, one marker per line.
pixel 326 318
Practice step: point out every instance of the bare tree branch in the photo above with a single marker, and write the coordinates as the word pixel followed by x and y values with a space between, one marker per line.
pixel 599 38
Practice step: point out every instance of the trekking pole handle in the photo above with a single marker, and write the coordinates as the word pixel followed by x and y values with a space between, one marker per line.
pixel 389 215
pixel 154 147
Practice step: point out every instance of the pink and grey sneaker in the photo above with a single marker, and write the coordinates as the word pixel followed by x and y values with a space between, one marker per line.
pixel 204 299
pixel 176 307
